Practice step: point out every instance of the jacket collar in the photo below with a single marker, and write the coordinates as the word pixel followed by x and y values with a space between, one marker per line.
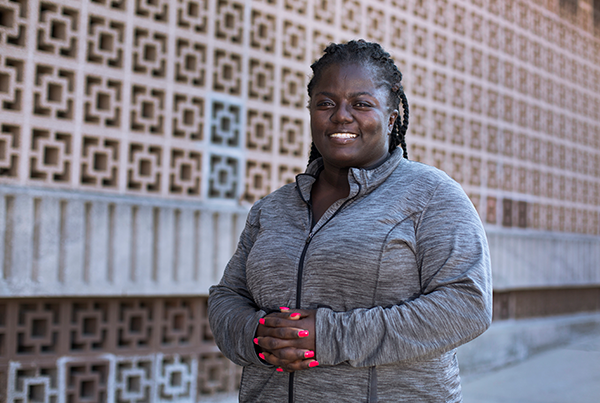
pixel 362 181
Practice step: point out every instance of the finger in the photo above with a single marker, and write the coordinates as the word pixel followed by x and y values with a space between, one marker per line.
pixel 281 314
pixel 286 313
pixel 276 343
pixel 287 361
pixel 300 365
pixel 282 332
pixel 289 364
pixel 287 355
pixel 277 319
pixel 276 327
pixel 275 360
pixel 298 314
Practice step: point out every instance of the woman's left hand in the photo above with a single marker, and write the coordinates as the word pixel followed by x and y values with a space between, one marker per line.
pixel 287 339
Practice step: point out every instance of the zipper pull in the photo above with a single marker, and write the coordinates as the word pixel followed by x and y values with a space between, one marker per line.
pixel 309 237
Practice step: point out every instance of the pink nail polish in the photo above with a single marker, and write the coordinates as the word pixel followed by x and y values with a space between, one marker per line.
pixel 309 354
pixel 262 356
pixel 279 370
pixel 284 308
pixel 294 315
pixel 261 321
pixel 313 364
pixel 303 333
pixel 256 340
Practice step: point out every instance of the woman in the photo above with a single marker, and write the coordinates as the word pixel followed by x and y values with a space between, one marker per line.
pixel 357 282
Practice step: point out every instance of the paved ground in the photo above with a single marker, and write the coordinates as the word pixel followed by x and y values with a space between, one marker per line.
pixel 569 374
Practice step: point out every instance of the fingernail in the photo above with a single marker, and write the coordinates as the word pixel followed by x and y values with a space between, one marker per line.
pixel 303 333
pixel 262 356
pixel 256 340
pixel 284 308
pixel 309 354
pixel 279 370
pixel 313 364
pixel 261 321
pixel 294 315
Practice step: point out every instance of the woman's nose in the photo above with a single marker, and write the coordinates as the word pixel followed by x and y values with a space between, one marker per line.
pixel 342 114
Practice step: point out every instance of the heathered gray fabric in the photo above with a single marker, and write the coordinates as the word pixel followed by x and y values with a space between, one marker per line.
pixel 400 275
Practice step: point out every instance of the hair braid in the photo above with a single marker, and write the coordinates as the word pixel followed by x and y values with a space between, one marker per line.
pixel 403 127
pixel 368 53
pixel 314 153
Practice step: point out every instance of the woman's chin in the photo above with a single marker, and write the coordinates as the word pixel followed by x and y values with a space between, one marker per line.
pixel 344 162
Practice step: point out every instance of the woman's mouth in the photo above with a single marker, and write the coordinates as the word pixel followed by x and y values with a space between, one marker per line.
pixel 343 135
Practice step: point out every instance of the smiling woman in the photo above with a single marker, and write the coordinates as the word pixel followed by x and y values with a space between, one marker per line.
pixel 357 282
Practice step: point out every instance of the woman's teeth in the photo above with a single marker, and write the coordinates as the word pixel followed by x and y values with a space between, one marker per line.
pixel 343 135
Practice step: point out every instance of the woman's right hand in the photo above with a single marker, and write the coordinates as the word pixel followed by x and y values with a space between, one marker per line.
pixel 287 339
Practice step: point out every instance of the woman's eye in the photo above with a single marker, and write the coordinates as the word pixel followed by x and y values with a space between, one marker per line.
pixel 362 104
pixel 325 103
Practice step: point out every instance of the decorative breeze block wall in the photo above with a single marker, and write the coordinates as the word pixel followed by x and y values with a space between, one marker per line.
pixel 205 100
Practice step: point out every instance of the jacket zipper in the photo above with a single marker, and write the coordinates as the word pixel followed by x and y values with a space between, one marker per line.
pixel 301 270
pixel 298 301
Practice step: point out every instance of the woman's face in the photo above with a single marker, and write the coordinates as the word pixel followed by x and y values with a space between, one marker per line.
pixel 350 118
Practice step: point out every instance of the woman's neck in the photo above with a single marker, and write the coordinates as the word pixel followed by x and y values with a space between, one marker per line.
pixel 330 186
pixel 334 178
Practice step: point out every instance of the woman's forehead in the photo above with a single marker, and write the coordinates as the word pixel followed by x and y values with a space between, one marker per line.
pixel 350 75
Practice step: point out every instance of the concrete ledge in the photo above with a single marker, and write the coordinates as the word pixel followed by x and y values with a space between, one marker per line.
pixel 511 341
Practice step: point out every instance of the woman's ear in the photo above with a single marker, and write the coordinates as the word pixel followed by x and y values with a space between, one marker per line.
pixel 392 120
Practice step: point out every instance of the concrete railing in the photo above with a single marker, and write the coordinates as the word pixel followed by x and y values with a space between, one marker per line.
pixel 55 243
pixel 530 259
pixel 64 243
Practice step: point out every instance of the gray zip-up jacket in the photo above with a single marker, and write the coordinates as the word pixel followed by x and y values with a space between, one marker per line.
pixel 399 272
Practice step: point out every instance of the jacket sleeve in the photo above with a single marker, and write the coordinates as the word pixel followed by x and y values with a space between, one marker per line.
pixel 232 314
pixel 453 307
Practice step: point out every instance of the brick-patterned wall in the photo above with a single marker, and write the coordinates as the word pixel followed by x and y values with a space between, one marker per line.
pixel 110 350
pixel 205 99
pixel 535 303
pixel 194 100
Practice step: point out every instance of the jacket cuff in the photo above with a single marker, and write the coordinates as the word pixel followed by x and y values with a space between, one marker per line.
pixel 325 340
pixel 249 345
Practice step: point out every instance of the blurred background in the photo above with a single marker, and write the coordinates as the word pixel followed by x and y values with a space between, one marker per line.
pixel 135 135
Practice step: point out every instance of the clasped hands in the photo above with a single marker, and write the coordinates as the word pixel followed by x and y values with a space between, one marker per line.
pixel 286 339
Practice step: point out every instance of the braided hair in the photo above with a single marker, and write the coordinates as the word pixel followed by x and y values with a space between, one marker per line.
pixel 368 53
